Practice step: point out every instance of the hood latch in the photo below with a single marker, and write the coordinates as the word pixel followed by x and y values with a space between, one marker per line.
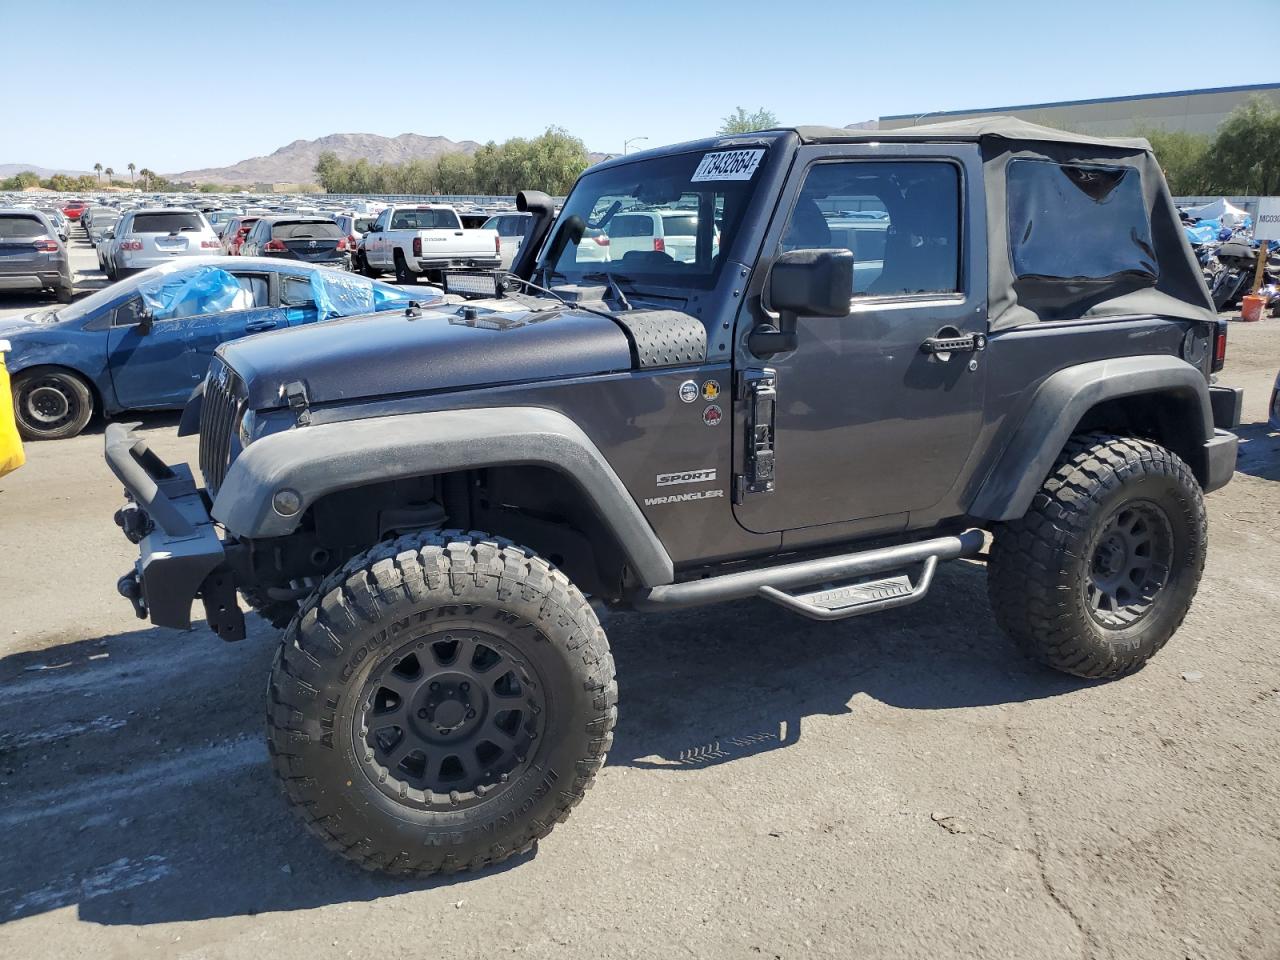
pixel 295 394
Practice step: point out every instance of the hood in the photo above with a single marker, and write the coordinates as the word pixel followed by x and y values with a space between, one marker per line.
pixel 384 354
pixel 36 320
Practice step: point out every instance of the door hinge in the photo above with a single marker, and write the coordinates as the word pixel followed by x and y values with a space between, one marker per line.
pixel 295 394
pixel 757 390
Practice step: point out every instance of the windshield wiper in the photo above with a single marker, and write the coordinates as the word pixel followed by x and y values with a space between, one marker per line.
pixel 612 280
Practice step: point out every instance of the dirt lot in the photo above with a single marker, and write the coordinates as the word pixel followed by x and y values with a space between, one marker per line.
pixel 900 786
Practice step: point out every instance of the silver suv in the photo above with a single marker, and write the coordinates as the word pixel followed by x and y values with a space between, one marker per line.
pixel 147 238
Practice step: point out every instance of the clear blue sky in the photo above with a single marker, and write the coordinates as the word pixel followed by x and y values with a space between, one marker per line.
pixel 189 83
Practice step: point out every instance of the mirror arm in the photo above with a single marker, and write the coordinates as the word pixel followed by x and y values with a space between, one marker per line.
pixel 766 339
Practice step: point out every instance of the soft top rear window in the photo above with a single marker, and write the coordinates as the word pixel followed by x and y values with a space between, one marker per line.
pixel 19 227
pixel 305 230
pixel 166 222
pixel 1078 222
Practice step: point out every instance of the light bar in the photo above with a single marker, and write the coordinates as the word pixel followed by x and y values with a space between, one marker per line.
pixel 471 284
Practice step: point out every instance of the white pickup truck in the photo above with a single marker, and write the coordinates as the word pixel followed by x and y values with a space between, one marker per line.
pixel 417 239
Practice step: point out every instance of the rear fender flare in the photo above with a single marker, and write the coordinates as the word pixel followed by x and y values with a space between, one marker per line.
pixel 1060 405
pixel 322 459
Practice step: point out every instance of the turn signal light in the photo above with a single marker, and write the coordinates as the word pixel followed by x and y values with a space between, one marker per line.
pixel 1220 346
pixel 131 245
pixel 659 245
pixel 47 246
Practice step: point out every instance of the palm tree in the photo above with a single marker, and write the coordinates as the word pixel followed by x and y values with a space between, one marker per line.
pixel 97 168
pixel 110 173
pixel 146 177
pixel 131 169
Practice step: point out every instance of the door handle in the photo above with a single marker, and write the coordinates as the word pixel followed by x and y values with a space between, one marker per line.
pixel 943 347
pixel 259 325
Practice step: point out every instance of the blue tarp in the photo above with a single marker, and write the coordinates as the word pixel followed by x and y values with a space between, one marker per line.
pixel 1206 231
pixel 188 293
pixel 340 294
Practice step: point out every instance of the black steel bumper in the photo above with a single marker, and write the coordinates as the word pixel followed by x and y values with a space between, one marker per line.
pixel 180 554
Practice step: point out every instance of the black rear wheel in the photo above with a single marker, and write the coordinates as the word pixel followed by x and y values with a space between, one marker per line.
pixel 51 404
pixel 440 703
pixel 403 273
pixel 1100 572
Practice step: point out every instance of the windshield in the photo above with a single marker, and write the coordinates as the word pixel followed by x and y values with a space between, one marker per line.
pixel 663 222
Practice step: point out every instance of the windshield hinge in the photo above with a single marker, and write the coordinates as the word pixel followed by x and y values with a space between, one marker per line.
pixel 295 394
pixel 757 389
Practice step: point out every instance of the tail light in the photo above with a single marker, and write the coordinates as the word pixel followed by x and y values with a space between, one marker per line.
pixel 47 246
pixel 417 246
pixel 210 244
pixel 131 245
pixel 601 239
pixel 1220 347
pixel 274 246
pixel 659 245
pixel 497 245
pixel 342 245
pixel 352 242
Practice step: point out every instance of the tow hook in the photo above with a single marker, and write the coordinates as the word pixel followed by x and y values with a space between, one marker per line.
pixel 134 523
pixel 130 588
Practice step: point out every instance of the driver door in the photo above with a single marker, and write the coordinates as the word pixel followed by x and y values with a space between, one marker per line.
pixel 149 369
pixel 867 426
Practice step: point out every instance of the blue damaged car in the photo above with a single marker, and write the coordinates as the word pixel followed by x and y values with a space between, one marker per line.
pixel 145 343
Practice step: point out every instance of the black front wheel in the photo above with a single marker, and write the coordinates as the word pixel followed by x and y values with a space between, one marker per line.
pixel 1102 569
pixel 440 703
pixel 51 404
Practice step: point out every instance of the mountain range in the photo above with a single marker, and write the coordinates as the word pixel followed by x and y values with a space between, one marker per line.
pixel 296 162
pixel 13 169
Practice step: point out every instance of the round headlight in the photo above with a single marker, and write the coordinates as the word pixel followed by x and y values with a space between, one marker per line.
pixel 247 424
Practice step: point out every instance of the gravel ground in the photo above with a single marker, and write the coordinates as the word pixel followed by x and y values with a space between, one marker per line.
pixel 900 786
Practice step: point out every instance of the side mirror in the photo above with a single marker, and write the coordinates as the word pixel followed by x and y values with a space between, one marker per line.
pixel 813 283
pixel 146 320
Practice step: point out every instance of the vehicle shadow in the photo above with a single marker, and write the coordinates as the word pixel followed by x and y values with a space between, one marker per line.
pixel 141 792
pixel 1259 451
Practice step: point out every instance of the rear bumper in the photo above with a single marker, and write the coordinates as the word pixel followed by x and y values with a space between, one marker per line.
pixel 423 264
pixel 180 556
pixel 50 275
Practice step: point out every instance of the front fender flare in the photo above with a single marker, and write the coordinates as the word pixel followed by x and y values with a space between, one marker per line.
pixel 1059 405
pixel 325 458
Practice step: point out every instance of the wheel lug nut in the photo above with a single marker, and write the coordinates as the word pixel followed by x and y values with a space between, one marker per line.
pixel 434 685
pixel 470 714
pixel 422 713
pixel 466 687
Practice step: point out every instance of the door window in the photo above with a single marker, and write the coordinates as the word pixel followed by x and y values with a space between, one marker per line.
pixel 254 292
pixel 296 292
pixel 899 219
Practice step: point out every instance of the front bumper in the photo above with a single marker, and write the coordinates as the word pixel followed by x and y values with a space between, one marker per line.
pixel 180 554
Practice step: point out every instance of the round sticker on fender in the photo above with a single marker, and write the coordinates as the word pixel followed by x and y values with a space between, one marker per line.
pixel 712 415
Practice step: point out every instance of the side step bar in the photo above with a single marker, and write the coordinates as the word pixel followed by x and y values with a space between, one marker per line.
pixel 856 599
pixel 772 582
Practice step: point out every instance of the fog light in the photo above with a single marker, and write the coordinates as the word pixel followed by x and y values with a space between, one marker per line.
pixel 286 502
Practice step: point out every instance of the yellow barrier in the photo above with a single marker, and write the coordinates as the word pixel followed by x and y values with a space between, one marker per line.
pixel 11 455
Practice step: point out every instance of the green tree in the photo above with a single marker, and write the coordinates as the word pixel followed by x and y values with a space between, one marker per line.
pixel 1181 156
pixel 329 171
pixel 146 177
pixel 132 168
pixel 742 122
pixel 97 168
pixel 1244 157
pixel 110 173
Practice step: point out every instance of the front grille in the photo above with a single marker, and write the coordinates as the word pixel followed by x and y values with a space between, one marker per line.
pixel 224 400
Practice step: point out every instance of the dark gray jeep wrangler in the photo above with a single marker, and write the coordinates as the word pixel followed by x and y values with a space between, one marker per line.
pixel 805 365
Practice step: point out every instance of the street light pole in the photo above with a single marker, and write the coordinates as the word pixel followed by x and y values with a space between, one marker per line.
pixel 626 144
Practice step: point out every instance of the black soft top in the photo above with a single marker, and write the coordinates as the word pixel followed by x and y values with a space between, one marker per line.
pixel 1170 283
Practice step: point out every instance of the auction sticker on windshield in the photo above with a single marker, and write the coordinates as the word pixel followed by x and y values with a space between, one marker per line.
pixel 727 165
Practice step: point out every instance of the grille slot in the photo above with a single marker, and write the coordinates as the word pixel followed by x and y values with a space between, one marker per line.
pixel 224 401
